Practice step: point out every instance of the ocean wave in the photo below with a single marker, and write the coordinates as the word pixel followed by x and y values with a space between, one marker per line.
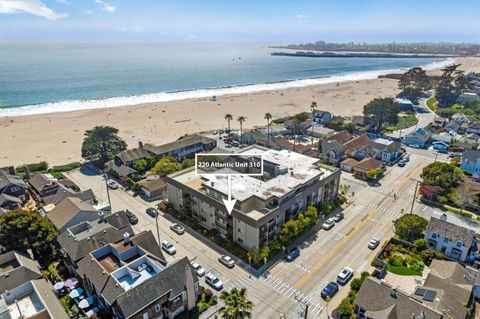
pixel 75 105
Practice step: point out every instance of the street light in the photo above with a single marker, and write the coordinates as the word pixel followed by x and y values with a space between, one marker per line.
pixel 105 177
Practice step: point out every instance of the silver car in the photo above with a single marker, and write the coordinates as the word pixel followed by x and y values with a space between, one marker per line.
pixel 198 269
pixel 328 224
pixel 168 247
pixel 373 243
pixel 227 261
pixel 213 281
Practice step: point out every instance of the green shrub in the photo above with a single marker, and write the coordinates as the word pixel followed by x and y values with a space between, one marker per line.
pixel 65 168
pixel 34 167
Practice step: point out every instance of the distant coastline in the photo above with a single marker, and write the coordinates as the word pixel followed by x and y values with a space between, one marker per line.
pixel 328 54
pixel 89 104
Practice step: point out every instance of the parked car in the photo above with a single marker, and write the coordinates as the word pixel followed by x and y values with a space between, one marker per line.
pixel 228 145
pixel 112 185
pixel 401 163
pixel 328 224
pixel 345 275
pixel 177 228
pixel 152 211
pixel 292 254
pixel 131 217
pixel 213 281
pixel 198 269
pixel 373 243
pixel 168 247
pixel 235 144
pixel 406 158
pixel 330 290
pixel 227 261
pixel 338 217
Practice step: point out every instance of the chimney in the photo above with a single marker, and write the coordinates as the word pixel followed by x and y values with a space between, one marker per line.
pixel 101 217
pixel 443 217
pixel 126 238
pixel 140 144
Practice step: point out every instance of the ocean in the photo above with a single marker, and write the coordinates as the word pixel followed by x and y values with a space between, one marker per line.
pixel 38 78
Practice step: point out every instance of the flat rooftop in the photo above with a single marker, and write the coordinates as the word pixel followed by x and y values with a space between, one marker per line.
pixel 26 307
pixel 299 169
pixel 383 141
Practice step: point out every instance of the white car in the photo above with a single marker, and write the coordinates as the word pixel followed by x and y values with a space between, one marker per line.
pixel 345 275
pixel 213 281
pixel 198 269
pixel 328 224
pixel 168 247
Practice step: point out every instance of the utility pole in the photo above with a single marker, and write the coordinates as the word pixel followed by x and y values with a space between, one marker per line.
pixel 306 311
pixel 158 230
pixel 105 176
pixel 414 196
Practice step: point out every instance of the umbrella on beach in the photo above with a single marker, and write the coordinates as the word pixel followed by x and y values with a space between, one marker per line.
pixel 75 293
pixel 70 283
pixel 59 285
pixel 85 303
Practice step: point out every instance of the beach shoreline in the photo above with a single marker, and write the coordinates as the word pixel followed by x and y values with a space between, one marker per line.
pixel 57 137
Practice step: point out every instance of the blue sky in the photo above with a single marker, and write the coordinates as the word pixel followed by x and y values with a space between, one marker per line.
pixel 274 21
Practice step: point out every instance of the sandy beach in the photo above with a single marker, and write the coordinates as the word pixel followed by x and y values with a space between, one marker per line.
pixel 57 137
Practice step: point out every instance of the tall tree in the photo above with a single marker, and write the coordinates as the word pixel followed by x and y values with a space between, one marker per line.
pixel 380 111
pixel 268 117
pixel 444 175
pixel 413 83
pixel 410 227
pixel 23 230
pixel 240 120
pixel 166 165
pixel 102 143
pixel 236 304
pixel 228 117
pixel 313 107
pixel 452 83
pixel 296 127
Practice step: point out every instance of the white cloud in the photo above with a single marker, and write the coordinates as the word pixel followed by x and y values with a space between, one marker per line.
pixel 35 7
pixel 107 6
pixel 302 16
pixel 137 27
pixel 63 1
pixel 89 12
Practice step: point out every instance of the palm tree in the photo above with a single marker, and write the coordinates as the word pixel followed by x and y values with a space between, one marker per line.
pixel 268 117
pixel 240 120
pixel 296 125
pixel 313 106
pixel 228 117
pixel 236 304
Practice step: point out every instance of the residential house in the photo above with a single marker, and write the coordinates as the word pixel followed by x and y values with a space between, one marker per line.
pixel 50 190
pixel 445 293
pixel 70 212
pixel 418 138
pixel 441 142
pixel 13 189
pixel 460 118
pixel 32 299
pixel 453 241
pixel 299 128
pixel 283 143
pixel 320 132
pixel 466 97
pixel 348 165
pixel 321 117
pixel 366 165
pixel 358 147
pixel 473 128
pixel 131 156
pixel 439 122
pixel 81 239
pixel 17 269
pixel 332 148
pixel 471 138
pixel 471 162
pixel 405 104
pixel 387 151
pixel 133 279
pixel 153 188
pixel 183 148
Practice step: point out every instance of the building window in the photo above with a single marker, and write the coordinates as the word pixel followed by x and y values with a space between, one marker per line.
pixel 145 315
pixel 459 243
pixel 239 230
pixel 184 296
pixel 240 240
pixel 158 308
pixel 446 239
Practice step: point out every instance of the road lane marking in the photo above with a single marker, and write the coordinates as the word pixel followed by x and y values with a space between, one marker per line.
pixel 340 244
pixel 407 178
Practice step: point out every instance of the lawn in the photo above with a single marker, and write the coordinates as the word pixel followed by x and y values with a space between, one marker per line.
pixel 403 271
pixel 404 120
pixel 431 103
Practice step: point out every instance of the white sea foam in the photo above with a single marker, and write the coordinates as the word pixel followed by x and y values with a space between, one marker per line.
pixel 74 105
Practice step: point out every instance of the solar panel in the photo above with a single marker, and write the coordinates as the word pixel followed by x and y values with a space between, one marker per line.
pixel 420 292
pixel 430 295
